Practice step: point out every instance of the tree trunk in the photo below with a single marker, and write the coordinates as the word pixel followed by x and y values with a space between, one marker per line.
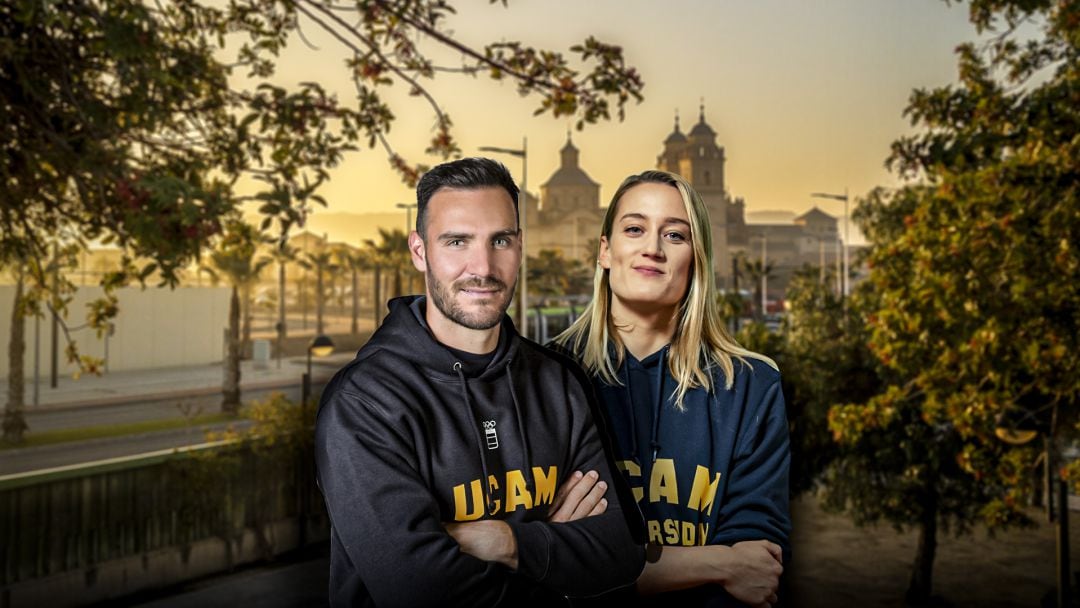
pixel 921 584
pixel 282 331
pixel 231 390
pixel 397 282
pixel 355 328
pixel 14 422
pixel 320 298
pixel 377 304
pixel 245 340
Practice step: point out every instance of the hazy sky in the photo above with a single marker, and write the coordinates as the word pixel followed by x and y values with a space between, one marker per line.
pixel 804 96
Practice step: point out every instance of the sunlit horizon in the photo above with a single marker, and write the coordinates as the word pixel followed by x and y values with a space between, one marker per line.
pixel 803 98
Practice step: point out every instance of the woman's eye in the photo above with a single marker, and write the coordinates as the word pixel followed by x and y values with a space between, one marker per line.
pixel 633 230
pixel 676 236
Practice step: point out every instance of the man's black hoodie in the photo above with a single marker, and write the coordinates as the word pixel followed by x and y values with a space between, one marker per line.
pixel 404 438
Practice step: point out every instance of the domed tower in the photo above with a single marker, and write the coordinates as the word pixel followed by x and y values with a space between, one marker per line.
pixel 700 161
pixel 703 160
pixel 571 214
pixel 673 149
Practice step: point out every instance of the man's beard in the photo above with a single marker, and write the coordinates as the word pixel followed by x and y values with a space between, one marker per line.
pixel 443 298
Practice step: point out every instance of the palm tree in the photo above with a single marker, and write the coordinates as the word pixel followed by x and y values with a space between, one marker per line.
pixel 321 261
pixel 234 259
pixel 758 274
pixel 393 252
pixel 356 260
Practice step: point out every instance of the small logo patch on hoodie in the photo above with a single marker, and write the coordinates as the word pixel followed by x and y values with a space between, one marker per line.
pixel 489 433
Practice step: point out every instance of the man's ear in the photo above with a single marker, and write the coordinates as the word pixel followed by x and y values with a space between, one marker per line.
pixel 603 258
pixel 417 251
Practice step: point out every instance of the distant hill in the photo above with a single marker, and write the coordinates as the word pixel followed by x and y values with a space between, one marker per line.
pixel 350 228
pixel 771 217
pixel 353 228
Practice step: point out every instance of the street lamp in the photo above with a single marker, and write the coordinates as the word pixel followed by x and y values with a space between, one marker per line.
pixel 408 207
pixel 320 346
pixel 523 307
pixel 847 242
pixel 1018 430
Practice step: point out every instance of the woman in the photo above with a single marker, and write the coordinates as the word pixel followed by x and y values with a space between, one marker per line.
pixel 698 422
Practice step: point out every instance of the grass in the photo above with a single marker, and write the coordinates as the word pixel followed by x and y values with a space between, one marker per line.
pixel 32 439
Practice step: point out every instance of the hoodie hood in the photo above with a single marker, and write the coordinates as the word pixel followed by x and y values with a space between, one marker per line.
pixel 405 334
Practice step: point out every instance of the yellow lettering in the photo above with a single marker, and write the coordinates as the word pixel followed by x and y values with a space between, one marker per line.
pixel 662 483
pixel 654 532
pixel 517 494
pixel 687 534
pixel 703 492
pixel 493 484
pixel 671 527
pixel 703 533
pixel 461 512
pixel 545 484
pixel 632 470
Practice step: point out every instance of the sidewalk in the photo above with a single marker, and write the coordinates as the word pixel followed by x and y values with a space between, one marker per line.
pixel 138 386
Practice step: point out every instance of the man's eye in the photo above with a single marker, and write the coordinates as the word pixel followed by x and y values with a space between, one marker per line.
pixel 501 242
pixel 455 242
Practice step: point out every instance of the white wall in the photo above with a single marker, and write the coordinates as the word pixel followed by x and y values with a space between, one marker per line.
pixel 156 327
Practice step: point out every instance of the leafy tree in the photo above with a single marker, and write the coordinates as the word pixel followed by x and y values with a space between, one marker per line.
pixel 14 424
pixel 975 278
pixel 118 122
pixel 552 275
pixel 234 259
pixel 825 362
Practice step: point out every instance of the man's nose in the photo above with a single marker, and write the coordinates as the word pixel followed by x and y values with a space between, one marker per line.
pixel 481 261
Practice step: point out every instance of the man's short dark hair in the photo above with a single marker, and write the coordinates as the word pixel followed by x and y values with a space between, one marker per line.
pixel 463 174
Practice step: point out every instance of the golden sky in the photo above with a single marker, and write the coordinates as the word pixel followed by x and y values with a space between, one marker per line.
pixel 804 96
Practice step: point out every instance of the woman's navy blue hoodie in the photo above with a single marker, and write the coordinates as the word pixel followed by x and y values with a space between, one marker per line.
pixel 406 438
pixel 715 473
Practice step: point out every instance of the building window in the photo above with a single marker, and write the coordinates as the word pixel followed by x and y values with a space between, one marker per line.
pixel 701 151
pixel 708 178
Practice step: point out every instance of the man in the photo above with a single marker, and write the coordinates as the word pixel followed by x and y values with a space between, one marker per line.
pixel 442 447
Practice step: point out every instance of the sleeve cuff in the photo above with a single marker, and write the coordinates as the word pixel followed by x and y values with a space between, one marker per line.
pixel 533 548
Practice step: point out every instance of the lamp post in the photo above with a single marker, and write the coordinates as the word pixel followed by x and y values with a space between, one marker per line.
pixel 1019 431
pixel 847 242
pixel 408 207
pixel 523 289
pixel 320 346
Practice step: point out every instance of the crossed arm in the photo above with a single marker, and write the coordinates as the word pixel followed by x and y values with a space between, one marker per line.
pixel 749 570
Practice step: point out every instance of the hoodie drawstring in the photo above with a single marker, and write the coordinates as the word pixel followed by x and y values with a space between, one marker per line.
pixel 659 405
pixel 488 503
pixel 521 429
pixel 630 412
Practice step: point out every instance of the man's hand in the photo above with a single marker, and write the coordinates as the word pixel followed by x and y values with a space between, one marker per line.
pixel 754 572
pixel 580 496
pixel 491 540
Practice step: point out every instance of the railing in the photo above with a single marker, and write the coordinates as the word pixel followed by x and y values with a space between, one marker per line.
pixel 105 529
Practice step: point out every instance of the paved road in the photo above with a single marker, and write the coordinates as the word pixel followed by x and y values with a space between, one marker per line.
pixel 125 397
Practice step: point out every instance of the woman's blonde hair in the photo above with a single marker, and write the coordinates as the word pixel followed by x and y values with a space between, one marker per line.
pixel 701 341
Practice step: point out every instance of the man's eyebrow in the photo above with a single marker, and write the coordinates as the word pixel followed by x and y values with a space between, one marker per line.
pixel 450 236
pixel 505 233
